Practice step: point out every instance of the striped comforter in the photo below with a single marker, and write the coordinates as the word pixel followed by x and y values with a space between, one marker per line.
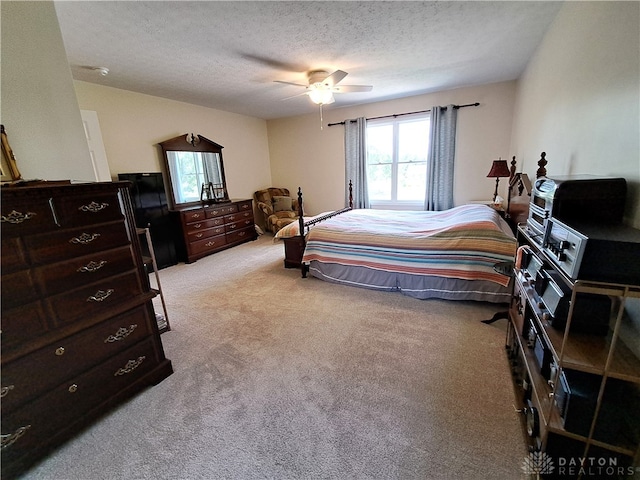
pixel 464 242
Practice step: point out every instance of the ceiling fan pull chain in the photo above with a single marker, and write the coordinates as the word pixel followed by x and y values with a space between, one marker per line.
pixel 320 116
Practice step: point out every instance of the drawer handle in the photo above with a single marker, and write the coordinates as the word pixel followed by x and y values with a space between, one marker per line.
pixel 214 212
pixel 130 366
pixel 84 238
pixel 209 244
pixel 5 390
pixel 245 206
pixel 232 226
pixel 218 230
pixel 73 388
pixel 17 217
pixel 195 215
pixel 199 235
pixel 11 438
pixel 197 225
pixel 242 233
pixel 92 266
pixel 121 334
pixel 100 295
pixel 93 207
pixel 60 351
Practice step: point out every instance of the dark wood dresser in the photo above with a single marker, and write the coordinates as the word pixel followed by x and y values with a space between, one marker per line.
pixel 78 328
pixel 210 228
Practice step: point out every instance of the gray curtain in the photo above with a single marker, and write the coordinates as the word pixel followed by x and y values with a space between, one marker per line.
pixel 355 150
pixel 442 150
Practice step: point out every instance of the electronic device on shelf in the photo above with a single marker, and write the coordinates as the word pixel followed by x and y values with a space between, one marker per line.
pixel 575 198
pixel 576 398
pixel 597 252
pixel 530 265
pixel 541 350
pixel 591 313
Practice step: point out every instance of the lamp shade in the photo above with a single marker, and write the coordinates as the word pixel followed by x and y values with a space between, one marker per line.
pixel 499 168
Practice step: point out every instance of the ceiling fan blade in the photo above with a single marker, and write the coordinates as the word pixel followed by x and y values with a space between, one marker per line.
pixel 274 63
pixel 352 88
pixel 294 96
pixel 334 78
pixel 291 83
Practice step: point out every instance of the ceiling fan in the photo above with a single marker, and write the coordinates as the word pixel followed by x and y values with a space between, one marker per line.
pixel 323 85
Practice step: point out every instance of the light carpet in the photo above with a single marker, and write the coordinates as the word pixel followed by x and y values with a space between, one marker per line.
pixel 280 377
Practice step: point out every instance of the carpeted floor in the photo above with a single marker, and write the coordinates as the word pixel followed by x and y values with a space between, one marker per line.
pixel 284 378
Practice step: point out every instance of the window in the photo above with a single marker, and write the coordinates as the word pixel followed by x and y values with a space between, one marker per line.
pixel 397 162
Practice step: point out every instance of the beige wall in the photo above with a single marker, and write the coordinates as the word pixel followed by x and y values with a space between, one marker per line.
pixel 133 124
pixel 39 106
pixel 579 97
pixel 304 156
pixel 578 100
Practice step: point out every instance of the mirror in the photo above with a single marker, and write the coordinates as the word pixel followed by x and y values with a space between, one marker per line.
pixel 194 170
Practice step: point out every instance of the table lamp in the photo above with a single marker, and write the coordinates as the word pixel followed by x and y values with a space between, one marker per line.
pixel 499 168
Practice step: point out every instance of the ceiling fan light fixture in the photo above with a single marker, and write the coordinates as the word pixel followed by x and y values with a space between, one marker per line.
pixel 321 96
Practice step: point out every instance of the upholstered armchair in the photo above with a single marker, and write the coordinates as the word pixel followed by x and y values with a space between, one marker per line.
pixel 277 206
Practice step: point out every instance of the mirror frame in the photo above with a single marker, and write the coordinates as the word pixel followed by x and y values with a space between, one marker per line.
pixel 180 144
pixel 8 167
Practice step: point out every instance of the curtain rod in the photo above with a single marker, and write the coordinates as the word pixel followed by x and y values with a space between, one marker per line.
pixel 408 113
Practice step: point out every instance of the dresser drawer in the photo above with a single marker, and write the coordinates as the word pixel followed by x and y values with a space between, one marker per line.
pixel 193 216
pixel 38 422
pixel 87 209
pixel 18 288
pixel 220 210
pixel 77 242
pixel 238 225
pixel 207 244
pixel 74 273
pixel 206 233
pixel 242 215
pixel 23 323
pixel 203 225
pixel 241 235
pixel 13 255
pixel 94 299
pixel 245 206
pixel 26 215
pixel 27 377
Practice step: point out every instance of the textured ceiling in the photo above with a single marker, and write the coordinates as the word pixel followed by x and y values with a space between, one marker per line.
pixel 229 55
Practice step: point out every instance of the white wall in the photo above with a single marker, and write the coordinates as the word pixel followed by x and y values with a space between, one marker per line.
pixel 133 124
pixel 304 156
pixel 579 97
pixel 39 106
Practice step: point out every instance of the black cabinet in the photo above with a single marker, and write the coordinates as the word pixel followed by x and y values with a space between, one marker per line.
pixel 151 211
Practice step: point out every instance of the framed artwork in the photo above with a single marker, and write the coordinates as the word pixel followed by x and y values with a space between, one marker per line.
pixel 8 167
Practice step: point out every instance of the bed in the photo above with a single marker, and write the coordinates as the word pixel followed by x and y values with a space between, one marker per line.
pixel 457 254
pixel 449 255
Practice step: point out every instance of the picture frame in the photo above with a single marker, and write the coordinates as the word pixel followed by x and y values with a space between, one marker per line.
pixel 8 167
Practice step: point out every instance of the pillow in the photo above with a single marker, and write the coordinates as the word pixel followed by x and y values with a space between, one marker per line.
pixel 281 204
